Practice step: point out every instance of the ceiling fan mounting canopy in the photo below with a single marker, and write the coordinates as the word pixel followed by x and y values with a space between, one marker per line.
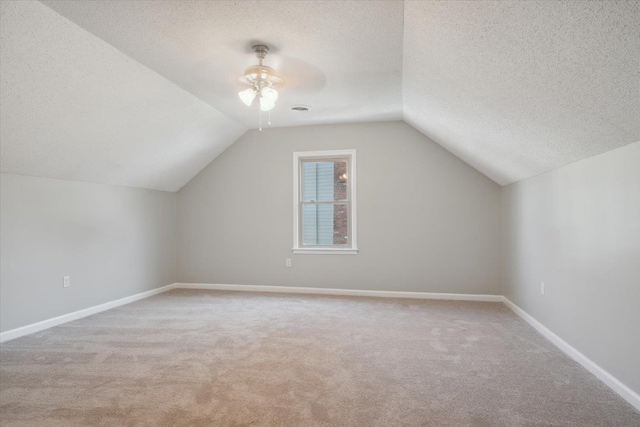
pixel 260 50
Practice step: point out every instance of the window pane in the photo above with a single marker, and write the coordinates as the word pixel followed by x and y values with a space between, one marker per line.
pixel 325 224
pixel 324 181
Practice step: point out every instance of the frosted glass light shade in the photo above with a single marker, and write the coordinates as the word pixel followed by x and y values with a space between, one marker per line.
pixel 247 96
pixel 268 98
pixel 266 106
pixel 269 95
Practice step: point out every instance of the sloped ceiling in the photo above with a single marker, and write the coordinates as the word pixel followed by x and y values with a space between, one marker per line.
pixel 519 88
pixel 344 59
pixel 74 107
pixel 145 93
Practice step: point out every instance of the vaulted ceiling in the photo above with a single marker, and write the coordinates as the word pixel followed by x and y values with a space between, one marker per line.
pixel 144 94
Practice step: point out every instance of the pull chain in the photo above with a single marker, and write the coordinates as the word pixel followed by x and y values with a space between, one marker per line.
pixel 269 121
pixel 260 114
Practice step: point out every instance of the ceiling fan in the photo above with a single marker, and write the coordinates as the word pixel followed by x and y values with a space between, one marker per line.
pixel 292 74
pixel 262 81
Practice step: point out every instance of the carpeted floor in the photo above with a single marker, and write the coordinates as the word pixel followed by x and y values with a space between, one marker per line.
pixel 207 358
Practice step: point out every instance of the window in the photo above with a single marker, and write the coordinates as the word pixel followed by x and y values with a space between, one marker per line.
pixel 324 202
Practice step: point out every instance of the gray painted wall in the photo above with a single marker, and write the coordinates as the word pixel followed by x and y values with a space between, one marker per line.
pixel 427 221
pixel 113 242
pixel 577 229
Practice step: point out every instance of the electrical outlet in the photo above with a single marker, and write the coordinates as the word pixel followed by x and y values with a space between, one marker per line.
pixel 541 288
pixel 66 281
pixel 287 262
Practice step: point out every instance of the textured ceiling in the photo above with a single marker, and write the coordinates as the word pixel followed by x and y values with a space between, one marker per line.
pixel 343 59
pixel 144 94
pixel 519 88
pixel 73 107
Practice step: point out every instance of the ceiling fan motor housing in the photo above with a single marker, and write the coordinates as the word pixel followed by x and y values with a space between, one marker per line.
pixel 259 76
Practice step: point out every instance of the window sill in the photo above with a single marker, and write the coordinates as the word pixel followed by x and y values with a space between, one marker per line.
pixel 325 251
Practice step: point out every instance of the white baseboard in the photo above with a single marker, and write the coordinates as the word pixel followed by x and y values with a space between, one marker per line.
pixel 612 382
pixel 333 291
pixel 55 321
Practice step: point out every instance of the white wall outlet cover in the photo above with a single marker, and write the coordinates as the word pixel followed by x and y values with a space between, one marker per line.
pixel 66 281
pixel 287 262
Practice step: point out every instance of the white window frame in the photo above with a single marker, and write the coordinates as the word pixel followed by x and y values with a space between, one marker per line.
pixel 300 156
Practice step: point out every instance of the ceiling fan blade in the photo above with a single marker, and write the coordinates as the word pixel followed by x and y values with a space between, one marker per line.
pixel 298 75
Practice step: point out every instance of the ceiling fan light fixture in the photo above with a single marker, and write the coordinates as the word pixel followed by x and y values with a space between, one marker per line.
pixel 247 96
pixel 269 95
pixel 266 106
pixel 262 81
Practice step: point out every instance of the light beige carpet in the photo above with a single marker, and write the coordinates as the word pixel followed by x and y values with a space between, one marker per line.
pixel 207 358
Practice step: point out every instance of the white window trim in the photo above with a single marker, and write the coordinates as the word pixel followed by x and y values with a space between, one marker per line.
pixel 353 249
